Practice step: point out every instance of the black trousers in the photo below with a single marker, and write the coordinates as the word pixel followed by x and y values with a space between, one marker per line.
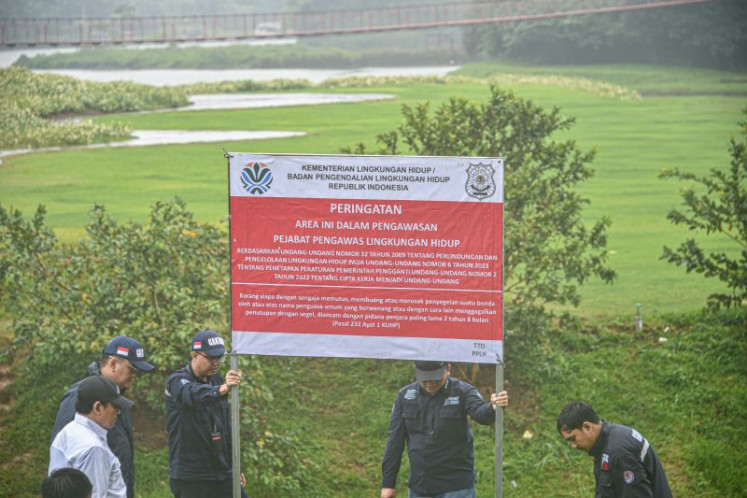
pixel 181 488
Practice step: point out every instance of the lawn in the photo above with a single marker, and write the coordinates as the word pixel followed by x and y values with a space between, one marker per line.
pixel 634 140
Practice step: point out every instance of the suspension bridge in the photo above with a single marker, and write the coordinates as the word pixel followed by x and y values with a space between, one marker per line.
pixel 41 32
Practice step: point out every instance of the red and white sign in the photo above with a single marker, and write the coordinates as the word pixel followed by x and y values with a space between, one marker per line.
pixel 394 257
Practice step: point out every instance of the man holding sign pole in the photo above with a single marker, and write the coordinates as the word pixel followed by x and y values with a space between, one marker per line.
pixel 199 425
pixel 431 417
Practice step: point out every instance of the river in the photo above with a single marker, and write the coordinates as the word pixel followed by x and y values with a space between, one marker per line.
pixel 170 77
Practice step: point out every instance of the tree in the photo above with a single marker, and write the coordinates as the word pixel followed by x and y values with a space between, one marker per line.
pixel 722 210
pixel 157 282
pixel 548 250
pixel 710 34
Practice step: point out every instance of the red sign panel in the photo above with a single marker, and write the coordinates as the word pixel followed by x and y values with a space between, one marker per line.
pixel 367 256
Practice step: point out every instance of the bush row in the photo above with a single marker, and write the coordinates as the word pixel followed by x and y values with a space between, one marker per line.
pixel 48 95
pixel 236 57
pixel 21 129
pixel 28 99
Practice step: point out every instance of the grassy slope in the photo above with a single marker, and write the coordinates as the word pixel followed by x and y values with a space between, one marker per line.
pixel 688 396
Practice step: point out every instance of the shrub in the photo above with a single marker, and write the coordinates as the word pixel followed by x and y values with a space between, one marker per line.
pixel 548 250
pixel 721 210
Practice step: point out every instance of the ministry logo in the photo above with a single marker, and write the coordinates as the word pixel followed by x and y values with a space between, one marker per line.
pixel 256 178
pixel 480 183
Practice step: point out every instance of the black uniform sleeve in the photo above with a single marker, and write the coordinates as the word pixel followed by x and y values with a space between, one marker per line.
pixel 66 413
pixel 395 445
pixel 656 473
pixel 629 478
pixel 481 411
pixel 186 393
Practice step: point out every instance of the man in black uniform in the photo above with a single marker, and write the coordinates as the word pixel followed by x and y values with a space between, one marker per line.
pixel 199 422
pixel 431 416
pixel 625 464
pixel 122 358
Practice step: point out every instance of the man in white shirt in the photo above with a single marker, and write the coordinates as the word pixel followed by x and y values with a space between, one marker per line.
pixel 81 444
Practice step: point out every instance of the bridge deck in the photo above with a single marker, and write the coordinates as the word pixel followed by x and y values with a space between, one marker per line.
pixel 173 29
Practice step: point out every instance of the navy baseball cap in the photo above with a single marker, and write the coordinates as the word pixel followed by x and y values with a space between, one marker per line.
pixel 209 342
pixel 127 347
pixel 429 370
pixel 100 388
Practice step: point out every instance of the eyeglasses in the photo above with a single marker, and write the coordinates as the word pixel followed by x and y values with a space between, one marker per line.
pixel 215 360
pixel 122 360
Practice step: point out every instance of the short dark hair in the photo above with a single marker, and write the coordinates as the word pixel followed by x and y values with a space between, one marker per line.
pixel 575 414
pixel 83 406
pixel 66 483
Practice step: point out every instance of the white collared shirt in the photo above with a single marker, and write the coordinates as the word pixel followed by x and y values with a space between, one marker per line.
pixel 81 444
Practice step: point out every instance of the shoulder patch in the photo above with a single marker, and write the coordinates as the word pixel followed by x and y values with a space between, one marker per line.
pixel 628 477
pixel 605 462
pixel 411 394
pixel 184 381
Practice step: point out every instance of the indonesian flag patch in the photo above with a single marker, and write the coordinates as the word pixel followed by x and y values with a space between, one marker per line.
pixel 198 344
pixel 605 462
pixel 123 351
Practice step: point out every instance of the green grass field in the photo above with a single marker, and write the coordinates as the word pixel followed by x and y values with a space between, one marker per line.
pixel 634 140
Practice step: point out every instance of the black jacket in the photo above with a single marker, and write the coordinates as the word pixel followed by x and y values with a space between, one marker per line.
pixel 439 440
pixel 118 437
pixel 626 466
pixel 196 411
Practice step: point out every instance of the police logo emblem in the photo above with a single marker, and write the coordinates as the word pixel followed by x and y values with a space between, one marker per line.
pixel 411 393
pixel 480 183
pixel 628 476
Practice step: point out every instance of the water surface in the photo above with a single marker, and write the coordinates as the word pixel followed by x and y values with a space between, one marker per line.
pixel 173 77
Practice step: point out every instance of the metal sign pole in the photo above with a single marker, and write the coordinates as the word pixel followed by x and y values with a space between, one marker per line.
pixel 499 374
pixel 235 448
pixel 499 434
pixel 235 423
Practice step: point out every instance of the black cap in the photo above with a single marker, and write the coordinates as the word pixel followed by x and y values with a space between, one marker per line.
pixel 429 370
pixel 103 389
pixel 209 342
pixel 127 347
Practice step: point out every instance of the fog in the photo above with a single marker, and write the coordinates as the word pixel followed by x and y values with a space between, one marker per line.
pixel 705 34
